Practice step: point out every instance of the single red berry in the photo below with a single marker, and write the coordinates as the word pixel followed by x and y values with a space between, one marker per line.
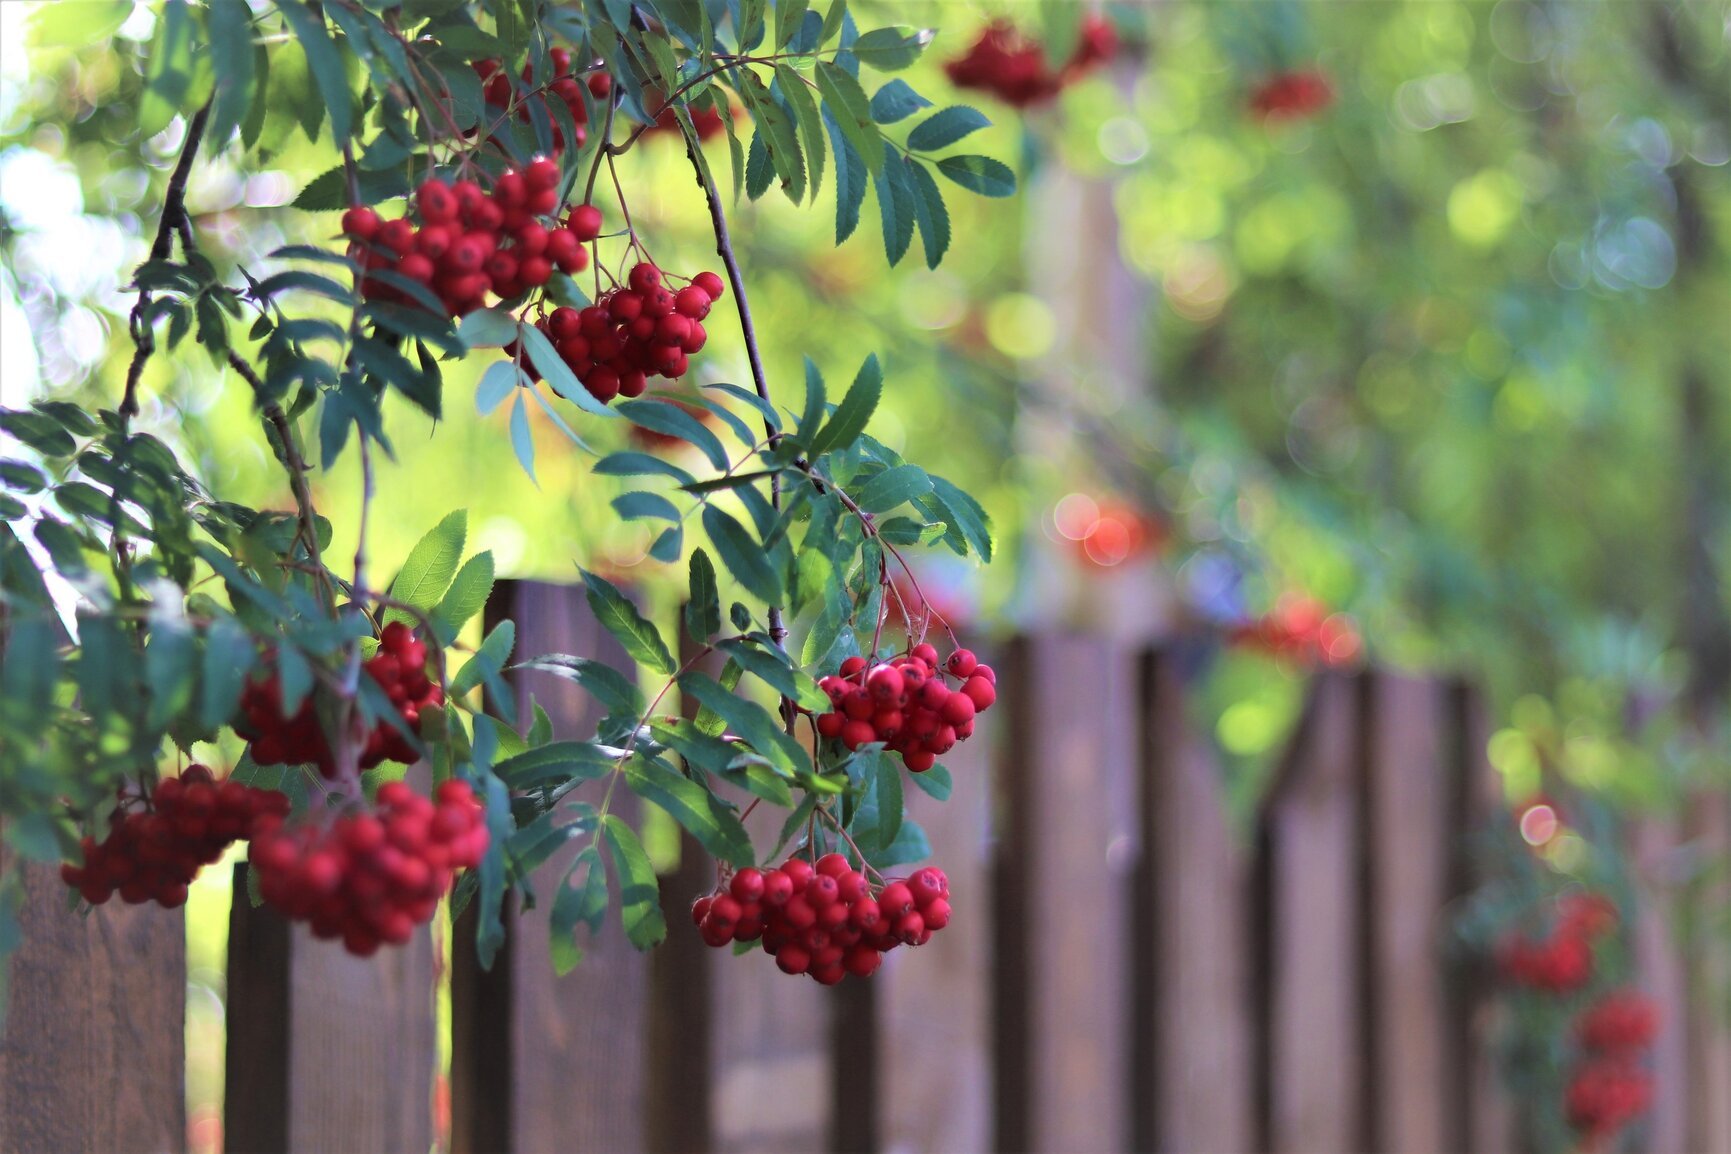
pixel 747 885
pixel 645 278
pixel 542 172
pixel 585 222
pixel 360 223
pixel 692 302
pixel 961 662
pixel 711 284
pixel 436 202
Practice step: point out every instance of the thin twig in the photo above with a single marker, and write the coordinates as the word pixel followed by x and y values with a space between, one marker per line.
pixel 173 220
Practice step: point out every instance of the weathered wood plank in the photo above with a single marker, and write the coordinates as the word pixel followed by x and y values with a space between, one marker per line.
pixel 1194 1077
pixel 1707 825
pixel 1310 940
pixel 1663 974
pixel 1070 846
pixel 315 1031
pixel 94 1051
pixel 1407 838
pixel 1478 1113
pixel 540 1062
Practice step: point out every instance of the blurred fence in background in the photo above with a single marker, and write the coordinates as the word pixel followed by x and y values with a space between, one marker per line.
pixel 1124 970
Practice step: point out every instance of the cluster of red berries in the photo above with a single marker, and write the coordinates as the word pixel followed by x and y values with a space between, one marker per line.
pixel 1611 1088
pixel 470 242
pixel 640 329
pixel 825 920
pixel 1302 630
pixel 1563 961
pixel 153 854
pixel 399 668
pixel 566 88
pixel 905 704
pixel 371 878
pixel 1013 67
pixel 1292 95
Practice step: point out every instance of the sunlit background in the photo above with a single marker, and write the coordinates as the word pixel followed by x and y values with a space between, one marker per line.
pixel 1433 373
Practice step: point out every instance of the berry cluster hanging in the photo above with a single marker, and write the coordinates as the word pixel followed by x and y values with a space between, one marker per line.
pixel 827 919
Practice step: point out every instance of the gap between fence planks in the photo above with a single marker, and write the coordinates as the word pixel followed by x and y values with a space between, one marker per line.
pixel 94 1048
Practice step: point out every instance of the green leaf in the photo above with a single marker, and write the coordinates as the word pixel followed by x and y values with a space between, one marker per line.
pixel 497 383
pixel 773 669
pixel 850 181
pixel 168 76
pixel 832 20
pixel 632 464
pixel 665 417
pixel 576 903
pixel 788 15
pixel 466 597
pixel 616 693
pixel 522 438
pixel 777 132
pixel 229 655
pixel 329 191
pixel 929 212
pixel 325 64
pixel 896 207
pixel 816 403
pixel 236 78
pixel 750 722
pixel 910 845
pixel 854 412
pixel 639 896
pixel 966 515
pixel 851 112
pixel 935 781
pixel 979 174
pixel 487 662
pixel 492 328
pixel 807 117
pixel 555 761
pixel 889 787
pixel 557 373
pixel 697 810
pixel 619 617
pixel 639 505
pixel 703 604
pixel 946 126
pixel 894 486
pixel 896 101
pixel 76 25
pixel 427 571
pixel 742 555
pixel 891 49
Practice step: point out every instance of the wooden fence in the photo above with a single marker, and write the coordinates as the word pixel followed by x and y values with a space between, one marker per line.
pixel 1124 970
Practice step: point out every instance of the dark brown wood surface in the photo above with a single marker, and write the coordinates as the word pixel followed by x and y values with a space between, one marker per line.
pixel 1070 848
pixel 1407 838
pixel 1314 1005
pixel 94 1048
pixel 1194 1086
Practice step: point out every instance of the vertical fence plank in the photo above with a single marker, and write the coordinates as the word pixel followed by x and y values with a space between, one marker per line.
pixel 1068 850
pixel 1707 825
pixel 540 1062
pixel 1663 974
pixel 1478 1112
pixel 680 1065
pixel 771 1044
pixel 314 1032
pixel 934 1060
pixel 94 1050
pixel 1193 1076
pixel 1310 937
pixel 1408 841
